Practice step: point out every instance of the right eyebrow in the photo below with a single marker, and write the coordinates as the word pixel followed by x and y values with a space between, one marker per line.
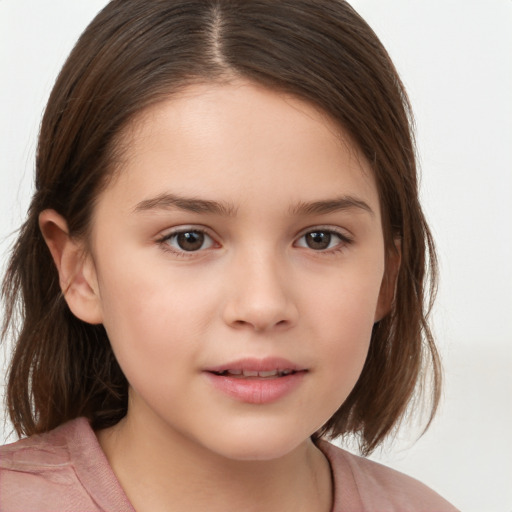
pixel 190 204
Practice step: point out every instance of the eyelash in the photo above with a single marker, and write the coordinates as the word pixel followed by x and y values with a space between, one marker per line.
pixel 344 239
pixel 164 241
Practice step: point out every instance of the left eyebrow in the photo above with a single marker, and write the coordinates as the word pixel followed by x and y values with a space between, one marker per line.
pixel 331 205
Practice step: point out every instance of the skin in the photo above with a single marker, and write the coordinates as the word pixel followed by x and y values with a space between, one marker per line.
pixel 259 286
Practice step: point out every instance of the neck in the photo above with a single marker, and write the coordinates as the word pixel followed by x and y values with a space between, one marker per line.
pixel 160 470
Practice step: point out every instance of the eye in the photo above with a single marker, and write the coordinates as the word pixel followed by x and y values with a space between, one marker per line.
pixel 189 240
pixel 322 240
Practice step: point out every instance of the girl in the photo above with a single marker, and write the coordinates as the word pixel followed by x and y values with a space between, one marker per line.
pixel 223 265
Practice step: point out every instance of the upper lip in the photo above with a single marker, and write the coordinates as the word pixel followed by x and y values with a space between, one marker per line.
pixel 266 364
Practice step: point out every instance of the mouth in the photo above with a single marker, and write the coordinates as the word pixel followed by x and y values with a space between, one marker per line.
pixel 257 381
pixel 255 368
pixel 254 374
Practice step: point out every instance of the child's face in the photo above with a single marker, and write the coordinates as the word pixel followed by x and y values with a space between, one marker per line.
pixel 240 234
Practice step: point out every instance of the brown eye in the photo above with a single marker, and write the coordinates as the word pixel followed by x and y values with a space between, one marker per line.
pixel 318 240
pixel 189 241
pixel 322 240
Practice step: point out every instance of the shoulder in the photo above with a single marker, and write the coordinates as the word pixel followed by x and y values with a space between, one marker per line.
pixel 36 473
pixel 361 484
pixel 60 470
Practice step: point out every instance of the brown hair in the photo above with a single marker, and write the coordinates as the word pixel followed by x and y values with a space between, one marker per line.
pixel 137 52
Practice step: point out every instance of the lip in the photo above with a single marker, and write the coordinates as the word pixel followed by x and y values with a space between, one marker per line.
pixel 252 389
pixel 257 365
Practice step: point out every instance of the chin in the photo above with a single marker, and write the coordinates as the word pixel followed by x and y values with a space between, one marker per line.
pixel 257 446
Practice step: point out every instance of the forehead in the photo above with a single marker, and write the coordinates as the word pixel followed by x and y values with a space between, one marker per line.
pixel 237 140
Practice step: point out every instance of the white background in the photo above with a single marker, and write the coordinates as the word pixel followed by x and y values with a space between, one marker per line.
pixel 455 57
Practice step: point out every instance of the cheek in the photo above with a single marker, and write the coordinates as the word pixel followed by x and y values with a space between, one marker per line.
pixel 141 294
pixel 154 320
pixel 152 335
pixel 345 303
pixel 342 320
pixel 346 339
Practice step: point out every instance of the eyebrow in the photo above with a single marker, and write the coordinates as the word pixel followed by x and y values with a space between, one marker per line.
pixel 170 201
pixel 191 204
pixel 330 205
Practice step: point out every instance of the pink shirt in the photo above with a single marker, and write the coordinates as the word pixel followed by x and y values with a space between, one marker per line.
pixel 65 470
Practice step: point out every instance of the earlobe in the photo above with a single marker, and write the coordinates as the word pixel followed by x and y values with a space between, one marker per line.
pixel 389 282
pixel 77 275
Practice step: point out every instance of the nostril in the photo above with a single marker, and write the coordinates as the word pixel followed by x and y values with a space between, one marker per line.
pixel 241 323
pixel 259 312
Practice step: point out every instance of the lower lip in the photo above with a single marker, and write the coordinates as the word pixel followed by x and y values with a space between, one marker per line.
pixel 256 390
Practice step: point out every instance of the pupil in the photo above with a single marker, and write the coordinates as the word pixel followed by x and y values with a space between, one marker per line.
pixel 191 240
pixel 318 240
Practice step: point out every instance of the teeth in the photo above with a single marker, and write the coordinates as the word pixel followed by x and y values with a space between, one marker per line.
pixel 272 373
pixel 250 373
pixel 254 373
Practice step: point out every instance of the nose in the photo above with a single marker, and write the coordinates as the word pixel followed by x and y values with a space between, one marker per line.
pixel 260 295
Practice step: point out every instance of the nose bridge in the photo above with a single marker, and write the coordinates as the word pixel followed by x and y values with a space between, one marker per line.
pixel 260 296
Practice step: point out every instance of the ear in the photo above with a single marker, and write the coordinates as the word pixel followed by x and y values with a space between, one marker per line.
pixel 389 281
pixel 77 274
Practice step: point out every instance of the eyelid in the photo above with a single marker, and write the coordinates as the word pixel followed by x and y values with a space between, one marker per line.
pixel 342 232
pixel 163 239
pixel 346 238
